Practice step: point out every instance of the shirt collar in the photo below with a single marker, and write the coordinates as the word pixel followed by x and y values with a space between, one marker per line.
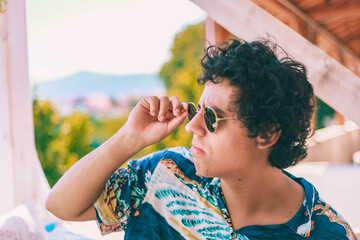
pixel 301 222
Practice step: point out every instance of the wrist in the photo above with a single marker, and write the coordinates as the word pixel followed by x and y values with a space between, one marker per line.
pixel 131 141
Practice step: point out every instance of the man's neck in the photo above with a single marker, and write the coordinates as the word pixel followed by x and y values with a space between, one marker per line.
pixel 262 198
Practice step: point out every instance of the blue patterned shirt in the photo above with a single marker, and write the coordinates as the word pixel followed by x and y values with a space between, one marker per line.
pixel 161 197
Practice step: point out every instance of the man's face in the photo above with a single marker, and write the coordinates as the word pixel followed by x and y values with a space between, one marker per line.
pixel 228 152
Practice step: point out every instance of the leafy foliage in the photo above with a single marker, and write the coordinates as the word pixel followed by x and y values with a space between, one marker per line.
pixel 46 123
pixel 180 72
pixel 324 115
pixel 60 142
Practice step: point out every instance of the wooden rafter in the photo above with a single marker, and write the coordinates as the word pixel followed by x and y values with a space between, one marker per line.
pixel 330 42
pixel 328 4
pixel 347 13
pixel 321 30
pixel 308 4
pixel 215 33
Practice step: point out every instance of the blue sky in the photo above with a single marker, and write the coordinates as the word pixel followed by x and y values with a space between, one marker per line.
pixel 113 36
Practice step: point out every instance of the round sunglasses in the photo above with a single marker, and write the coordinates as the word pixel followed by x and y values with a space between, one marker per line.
pixel 210 117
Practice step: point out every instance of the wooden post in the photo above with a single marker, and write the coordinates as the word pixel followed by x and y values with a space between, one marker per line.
pixel 7 190
pixel 215 32
pixel 339 118
pixel 21 176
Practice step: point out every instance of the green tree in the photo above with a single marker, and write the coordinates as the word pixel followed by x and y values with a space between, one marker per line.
pixel 60 142
pixel 46 124
pixel 75 136
pixel 180 72
pixel 324 114
pixel 108 126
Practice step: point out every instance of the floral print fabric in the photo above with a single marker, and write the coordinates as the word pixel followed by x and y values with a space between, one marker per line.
pixel 161 197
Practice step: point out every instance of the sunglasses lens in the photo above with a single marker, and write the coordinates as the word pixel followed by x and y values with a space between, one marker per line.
pixel 191 111
pixel 210 119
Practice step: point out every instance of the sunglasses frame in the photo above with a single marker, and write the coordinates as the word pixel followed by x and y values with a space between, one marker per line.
pixel 202 111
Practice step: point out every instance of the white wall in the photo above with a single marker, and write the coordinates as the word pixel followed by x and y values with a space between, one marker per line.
pixel 334 144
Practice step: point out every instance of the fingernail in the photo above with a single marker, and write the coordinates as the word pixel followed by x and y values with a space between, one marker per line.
pixel 161 118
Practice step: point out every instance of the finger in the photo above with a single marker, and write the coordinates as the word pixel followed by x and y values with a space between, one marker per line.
pixel 185 107
pixel 177 121
pixel 163 108
pixel 154 105
pixel 176 106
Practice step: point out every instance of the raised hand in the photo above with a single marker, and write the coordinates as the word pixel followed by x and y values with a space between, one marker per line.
pixel 154 118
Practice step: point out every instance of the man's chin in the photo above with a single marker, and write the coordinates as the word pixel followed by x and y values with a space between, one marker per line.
pixel 198 170
pixel 199 174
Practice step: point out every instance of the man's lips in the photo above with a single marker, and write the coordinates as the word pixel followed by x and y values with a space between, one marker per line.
pixel 196 150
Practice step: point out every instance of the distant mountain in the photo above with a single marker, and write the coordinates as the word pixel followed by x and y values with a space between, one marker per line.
pixel 85 83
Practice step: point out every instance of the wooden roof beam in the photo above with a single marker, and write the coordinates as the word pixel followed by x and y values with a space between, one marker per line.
pixel 313 32
pixel 333 83
pixel 215 33
pixel 347 13
pixel 281 12
pixel 319 29
pixel 351 37
pixel 308 4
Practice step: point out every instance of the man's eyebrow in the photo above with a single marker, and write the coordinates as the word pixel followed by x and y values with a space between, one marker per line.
pixel 218 111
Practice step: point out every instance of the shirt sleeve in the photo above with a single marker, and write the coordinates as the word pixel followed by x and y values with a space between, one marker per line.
pixel 124 192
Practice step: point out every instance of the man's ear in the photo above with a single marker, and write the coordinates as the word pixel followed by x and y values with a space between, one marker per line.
pixel 273 137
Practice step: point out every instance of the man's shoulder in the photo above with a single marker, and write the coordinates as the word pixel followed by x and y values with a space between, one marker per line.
pixel 176 153
pixel 183 151
pixel 327 222
pixel 322 221
pixel 180 156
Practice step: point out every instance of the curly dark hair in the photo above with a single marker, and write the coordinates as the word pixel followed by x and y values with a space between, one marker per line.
pixel 274 93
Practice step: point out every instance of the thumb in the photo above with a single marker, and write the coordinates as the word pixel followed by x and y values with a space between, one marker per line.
pixel 177 121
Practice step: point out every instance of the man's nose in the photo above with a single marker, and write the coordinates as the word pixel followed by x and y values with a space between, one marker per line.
pixel 196 125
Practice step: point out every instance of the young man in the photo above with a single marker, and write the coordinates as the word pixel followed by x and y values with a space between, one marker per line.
pixel 251 122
